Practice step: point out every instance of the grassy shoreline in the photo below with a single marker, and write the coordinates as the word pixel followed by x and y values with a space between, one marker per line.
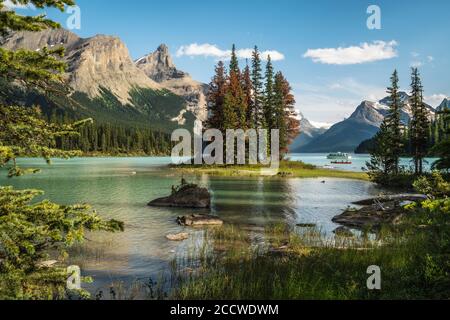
pixel 288 169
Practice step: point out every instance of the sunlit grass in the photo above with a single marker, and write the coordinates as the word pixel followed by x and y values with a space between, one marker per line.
pixel 287 168
pixel 303 264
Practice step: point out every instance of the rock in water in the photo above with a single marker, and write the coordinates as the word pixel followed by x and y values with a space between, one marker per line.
pixel 343 232
pixel 178 237
pixel 199 220
pixel 188 196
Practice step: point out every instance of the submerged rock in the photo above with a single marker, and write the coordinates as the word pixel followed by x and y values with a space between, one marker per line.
pixel 391 198
pixel 343 232
pixel 377 211
pixel 178 237
pixel 186 196
pixel 199 220
pixel 306 225
pixel 372 216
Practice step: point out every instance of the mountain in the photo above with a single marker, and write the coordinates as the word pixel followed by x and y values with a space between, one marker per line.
pixel 109 86
pixel 308 133
pixel 159 67
pixel 362 125
pixel 445 104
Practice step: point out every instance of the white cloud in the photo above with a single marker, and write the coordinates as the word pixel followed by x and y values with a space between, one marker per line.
pixel 430 58
pixel 364 53
pixel 416 64
pixel 212 50
pixel 435 99
pixel 358 90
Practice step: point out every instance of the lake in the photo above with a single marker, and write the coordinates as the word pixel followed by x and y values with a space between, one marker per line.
pixel 358 161
pixel 120 188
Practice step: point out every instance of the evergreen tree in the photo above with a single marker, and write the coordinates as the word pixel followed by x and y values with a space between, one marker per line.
pixel 247 87
pixel 234 63
pixel 258 96
pixel 216 97
pixel 392 120
pixel 269 97
pixel 442 149
pixel 286 118
pixel 380 164
pixel 30 231
pixel 419 122
pixel 236 97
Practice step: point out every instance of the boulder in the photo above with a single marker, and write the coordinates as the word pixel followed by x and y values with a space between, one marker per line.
pixel 306 225
pixel 178 237
pixel 371 216
pixel 389 198
pixel 199 220
pixel 343 232
pixel 187 196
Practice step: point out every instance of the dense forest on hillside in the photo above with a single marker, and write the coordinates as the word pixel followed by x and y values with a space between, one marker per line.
pixel 436 134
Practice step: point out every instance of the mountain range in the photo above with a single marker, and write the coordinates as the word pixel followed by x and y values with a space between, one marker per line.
pixel 109 86
pixel 362 125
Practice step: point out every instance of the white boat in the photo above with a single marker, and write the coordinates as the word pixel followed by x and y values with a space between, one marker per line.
pixel 340 156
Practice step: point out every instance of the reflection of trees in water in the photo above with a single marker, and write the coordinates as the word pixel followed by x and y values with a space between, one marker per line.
pixel 252 200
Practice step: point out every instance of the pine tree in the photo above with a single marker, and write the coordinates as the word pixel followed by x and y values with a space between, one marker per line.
pixel 392 121
pixel 216 97
pixel 380 164
pixel 419 122
pixel 236 96
pixel 286 118
pixel 234 63
pixel 269 97
pixel 442 149
pixel 30 231
pixel 258 96
pixel 247 87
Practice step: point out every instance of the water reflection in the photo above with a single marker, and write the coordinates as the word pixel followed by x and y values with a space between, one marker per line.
pixel 121 189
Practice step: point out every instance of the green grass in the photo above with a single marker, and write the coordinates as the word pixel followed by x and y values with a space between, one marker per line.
pixel 295 169
pixel 414 264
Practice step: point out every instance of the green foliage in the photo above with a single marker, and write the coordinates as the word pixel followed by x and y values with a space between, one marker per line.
pixel 442 148
pixel 24 132
pixel 433 186
pixel 387 143
pixel 11 21
pixel 419 122
pixel 413 258
pixel 34 69
pixel 237 100
pixel 29 232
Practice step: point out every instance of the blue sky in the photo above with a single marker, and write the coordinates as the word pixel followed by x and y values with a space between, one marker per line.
pixel 328 84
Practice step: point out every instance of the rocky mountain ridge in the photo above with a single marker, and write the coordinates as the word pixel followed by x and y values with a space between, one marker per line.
pixel 362 125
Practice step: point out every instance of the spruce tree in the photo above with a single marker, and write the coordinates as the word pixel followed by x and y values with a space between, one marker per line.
pixel 269 96
pixel 419 122
pixel 258 94
pixel 237 95
pixel 393 123
pixel 30 231
pixel 442 149
pixel 247 87
pixel 216 98
pixel 285 115
pixel 234 63
pixel 380 163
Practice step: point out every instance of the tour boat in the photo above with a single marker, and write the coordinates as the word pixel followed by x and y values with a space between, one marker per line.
pixel 340 158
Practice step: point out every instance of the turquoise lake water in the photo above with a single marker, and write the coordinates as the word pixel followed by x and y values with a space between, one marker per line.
pixel 120 188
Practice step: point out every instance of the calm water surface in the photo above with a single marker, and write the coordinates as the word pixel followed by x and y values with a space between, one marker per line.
pixel 120 188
